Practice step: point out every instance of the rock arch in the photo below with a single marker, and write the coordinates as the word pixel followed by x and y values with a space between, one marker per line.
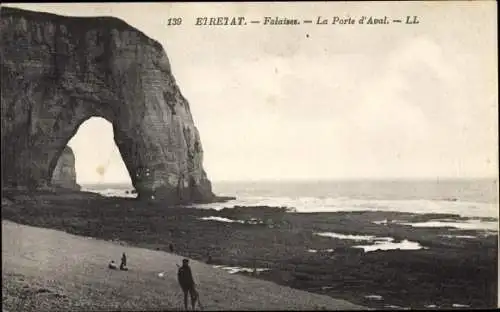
pixel 59 71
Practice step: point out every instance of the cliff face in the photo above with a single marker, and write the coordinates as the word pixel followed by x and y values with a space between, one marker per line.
pixel 59 71
pixel 64 174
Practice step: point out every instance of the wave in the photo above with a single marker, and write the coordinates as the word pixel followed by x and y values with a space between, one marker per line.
pixel 227 220
pixel 328 204
pixel 466 225
pixel 111 192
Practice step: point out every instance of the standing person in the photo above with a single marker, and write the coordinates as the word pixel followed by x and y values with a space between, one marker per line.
pixel 185 278
pixel 123 264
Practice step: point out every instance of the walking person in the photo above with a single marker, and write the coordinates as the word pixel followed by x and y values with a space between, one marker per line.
pixel 186 281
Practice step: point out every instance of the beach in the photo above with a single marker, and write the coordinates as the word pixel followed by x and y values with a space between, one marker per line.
pixel 347 255
pixel 48 270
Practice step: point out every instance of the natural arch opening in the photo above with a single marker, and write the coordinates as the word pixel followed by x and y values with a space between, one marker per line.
pixel 98 165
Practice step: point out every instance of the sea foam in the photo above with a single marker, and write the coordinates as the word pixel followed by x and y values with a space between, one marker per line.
pixel 328 204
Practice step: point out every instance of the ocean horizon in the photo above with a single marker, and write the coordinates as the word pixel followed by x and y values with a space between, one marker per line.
pixel 465 197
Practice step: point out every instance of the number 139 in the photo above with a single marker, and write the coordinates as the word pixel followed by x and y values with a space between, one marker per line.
pixel 174 21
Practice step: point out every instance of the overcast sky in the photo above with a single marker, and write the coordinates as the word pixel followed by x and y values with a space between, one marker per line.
pixel 322 102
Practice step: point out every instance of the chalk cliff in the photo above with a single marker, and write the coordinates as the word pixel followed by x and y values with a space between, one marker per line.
pixel 64 174
pixel 59 71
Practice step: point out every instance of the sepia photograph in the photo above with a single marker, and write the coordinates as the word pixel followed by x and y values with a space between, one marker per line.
pixel 249 156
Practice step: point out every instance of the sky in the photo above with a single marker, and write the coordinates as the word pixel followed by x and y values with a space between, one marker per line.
pixel 321 101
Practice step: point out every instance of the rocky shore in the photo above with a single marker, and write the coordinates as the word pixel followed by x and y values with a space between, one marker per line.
pixel 449 268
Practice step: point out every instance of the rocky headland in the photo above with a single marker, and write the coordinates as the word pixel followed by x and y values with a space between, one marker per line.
pixel 59 71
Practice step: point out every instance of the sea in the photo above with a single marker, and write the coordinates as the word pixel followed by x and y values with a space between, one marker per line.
pixel 471 198
pixel 476 200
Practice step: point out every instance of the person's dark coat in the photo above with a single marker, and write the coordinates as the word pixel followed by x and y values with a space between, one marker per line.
pixel 185 277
